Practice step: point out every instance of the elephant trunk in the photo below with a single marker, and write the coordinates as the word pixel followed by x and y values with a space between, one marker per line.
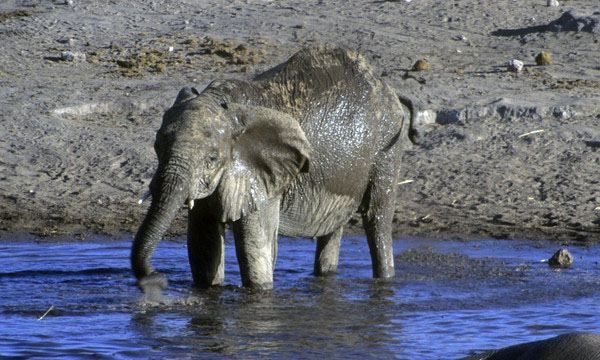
pixel 166 201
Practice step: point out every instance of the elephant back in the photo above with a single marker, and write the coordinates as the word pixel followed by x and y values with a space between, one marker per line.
pixel 312 72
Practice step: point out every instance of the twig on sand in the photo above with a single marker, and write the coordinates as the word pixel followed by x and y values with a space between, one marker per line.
pixel 46 313
pixel 531 133
pixel 405 182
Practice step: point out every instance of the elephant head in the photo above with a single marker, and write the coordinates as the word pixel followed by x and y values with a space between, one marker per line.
pixel 243 155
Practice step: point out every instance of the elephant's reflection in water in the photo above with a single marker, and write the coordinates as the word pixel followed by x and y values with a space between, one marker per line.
pixel 242 322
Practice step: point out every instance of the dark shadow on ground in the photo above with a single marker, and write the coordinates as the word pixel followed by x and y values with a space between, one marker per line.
pixel 568 21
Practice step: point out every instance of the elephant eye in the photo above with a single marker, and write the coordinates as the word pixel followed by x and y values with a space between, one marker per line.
pixel 211 160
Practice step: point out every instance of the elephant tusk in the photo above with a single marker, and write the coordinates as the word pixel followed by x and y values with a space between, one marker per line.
pixel 145 195
pixel 191 204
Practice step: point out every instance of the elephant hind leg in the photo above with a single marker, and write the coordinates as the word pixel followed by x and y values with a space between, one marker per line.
pixel 206 248
pixel 378 212
pixel 328 252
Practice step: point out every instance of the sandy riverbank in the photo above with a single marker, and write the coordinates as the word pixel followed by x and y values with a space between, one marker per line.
pixel 500 154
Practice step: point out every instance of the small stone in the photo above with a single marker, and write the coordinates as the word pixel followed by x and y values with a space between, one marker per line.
pixel 67 56
pixel 422 65
pixel 160 68
pixel 425 118
pixel 72 56
pixel 544 58
pixel 562 259
pixel 552 3
pixel 515 65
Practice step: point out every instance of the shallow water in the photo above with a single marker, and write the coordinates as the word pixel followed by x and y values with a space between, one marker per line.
pixel 448 299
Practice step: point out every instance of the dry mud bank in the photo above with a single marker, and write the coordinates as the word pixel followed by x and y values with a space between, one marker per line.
pixel 500 154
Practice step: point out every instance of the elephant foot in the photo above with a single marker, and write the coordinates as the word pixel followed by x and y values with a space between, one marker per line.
pixel 384 272
pixel 153 283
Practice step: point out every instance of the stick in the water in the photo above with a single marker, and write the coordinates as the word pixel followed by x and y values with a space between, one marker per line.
pixel 47 312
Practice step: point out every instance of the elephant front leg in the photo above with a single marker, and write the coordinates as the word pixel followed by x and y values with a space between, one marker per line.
pixel 328 253
pixel 255 245
pixel 206 248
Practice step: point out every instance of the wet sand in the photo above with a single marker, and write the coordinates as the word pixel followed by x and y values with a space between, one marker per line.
pixel 500 154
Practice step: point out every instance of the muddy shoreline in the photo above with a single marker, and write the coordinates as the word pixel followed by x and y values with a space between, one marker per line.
pixel 499 154
pixel 119 221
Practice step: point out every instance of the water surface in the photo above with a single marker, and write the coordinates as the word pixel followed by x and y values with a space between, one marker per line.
pixel 449 298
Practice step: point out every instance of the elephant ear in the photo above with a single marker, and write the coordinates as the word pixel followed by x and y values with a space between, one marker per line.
pixel 268 152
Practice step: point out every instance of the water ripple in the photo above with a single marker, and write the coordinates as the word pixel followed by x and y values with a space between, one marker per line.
pixel 448 300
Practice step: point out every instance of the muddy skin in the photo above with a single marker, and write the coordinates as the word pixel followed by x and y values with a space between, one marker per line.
pixel 296 151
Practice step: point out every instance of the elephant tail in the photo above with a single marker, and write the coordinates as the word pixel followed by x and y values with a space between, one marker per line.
pixel 408 127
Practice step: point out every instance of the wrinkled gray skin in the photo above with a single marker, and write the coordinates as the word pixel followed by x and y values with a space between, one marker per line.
pixel 574 346
pixel 296 151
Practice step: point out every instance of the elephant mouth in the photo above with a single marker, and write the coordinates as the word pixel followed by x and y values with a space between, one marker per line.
pixel 209 188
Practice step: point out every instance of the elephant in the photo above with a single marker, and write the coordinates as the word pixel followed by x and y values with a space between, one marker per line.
pixel 575 346
pixel 295 151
